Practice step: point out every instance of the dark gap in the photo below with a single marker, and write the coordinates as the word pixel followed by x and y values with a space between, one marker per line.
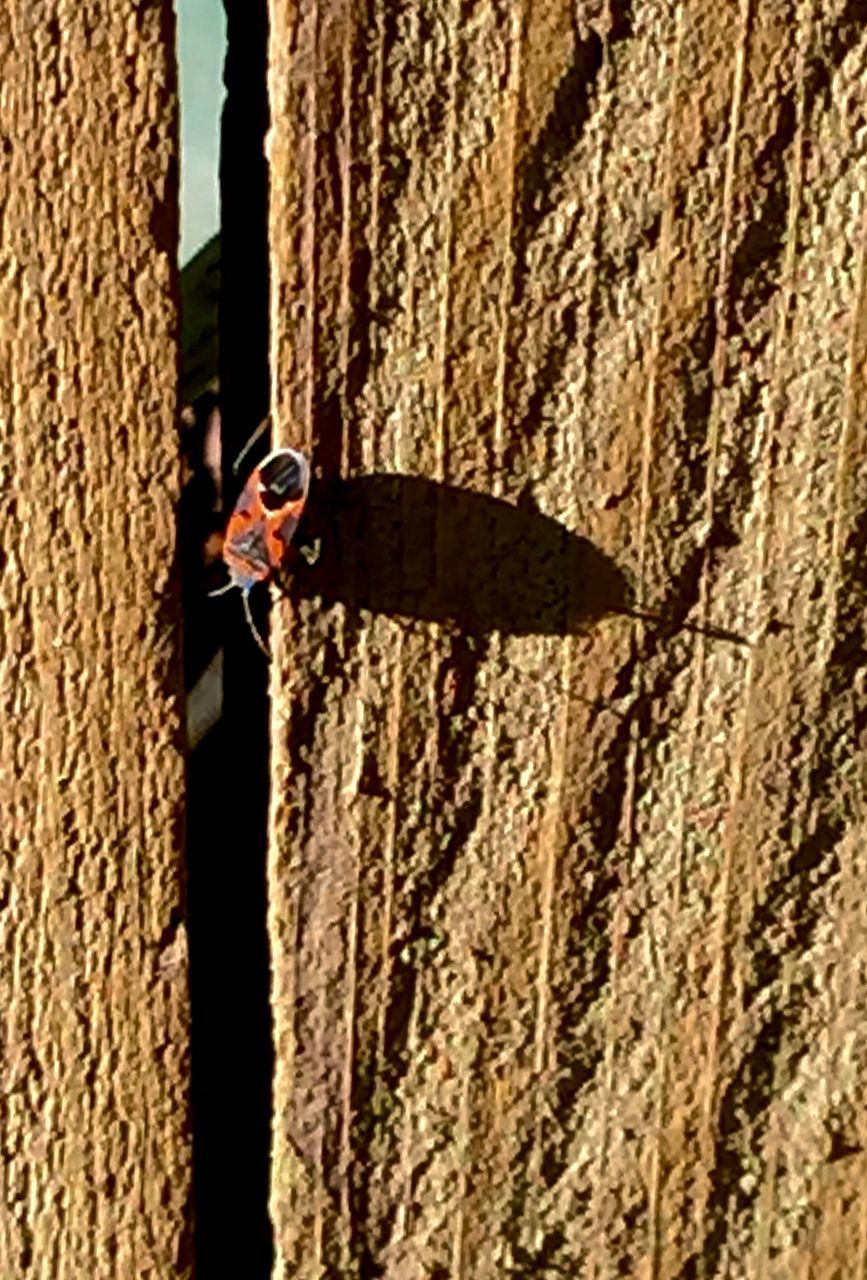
pixel 225 352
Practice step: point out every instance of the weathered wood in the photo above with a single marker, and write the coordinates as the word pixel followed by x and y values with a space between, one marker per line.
pixel 95 1164
pixel 568 929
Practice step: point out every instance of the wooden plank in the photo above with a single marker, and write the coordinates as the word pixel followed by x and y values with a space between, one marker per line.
pixel 95 1128
pixel 567 928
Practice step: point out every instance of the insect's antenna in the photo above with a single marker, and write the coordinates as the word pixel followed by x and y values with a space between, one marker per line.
pixel 712 633
pixel 260 430
pixel 245 596
pixel 221 591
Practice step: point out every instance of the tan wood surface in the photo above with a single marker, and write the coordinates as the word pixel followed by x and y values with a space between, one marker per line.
pixel 569 929
pixel 94 1126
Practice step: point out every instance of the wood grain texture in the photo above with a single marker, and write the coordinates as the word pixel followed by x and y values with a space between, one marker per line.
pixel 95 1164
pixel 568 930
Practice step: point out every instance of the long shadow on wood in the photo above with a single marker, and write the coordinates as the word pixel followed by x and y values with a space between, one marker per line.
pixel 410 547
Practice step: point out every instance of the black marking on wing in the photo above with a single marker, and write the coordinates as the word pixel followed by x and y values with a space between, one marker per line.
pixel 251 548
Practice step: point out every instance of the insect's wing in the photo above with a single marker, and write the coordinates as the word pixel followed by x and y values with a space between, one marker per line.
pixel 285 530
pixel 284 477
pixel 246 549
pixel 247 508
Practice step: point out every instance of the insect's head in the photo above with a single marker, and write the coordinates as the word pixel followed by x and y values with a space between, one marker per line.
pixel 284 476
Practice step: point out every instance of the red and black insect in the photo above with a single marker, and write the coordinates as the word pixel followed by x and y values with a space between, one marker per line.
pixel 263 523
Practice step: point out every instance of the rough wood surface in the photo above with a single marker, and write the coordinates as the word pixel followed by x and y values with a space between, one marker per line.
pixel 94 1123
pixel 569 929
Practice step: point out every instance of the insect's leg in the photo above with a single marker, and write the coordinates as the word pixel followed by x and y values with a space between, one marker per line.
pixel 221 591
pixel 259 641
pixel 260 431
pixel 311 551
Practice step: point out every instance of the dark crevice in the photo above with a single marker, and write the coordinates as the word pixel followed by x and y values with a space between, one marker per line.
pixel 227 798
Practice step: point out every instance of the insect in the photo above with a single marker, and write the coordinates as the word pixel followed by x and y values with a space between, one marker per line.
pixel 263 523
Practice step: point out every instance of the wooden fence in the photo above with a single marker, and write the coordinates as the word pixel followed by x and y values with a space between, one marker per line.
pixel 565 905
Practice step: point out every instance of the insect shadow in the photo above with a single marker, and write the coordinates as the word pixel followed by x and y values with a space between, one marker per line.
pixel 410 547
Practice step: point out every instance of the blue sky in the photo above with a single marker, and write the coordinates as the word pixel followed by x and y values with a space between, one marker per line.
pixel 201 45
